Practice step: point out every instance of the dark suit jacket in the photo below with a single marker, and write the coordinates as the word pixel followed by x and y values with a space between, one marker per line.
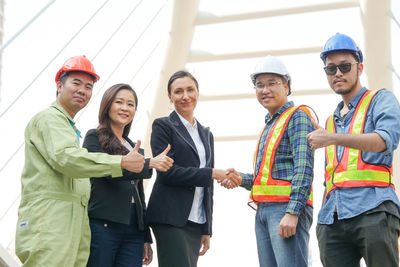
pixel 173 192
pixel 110 198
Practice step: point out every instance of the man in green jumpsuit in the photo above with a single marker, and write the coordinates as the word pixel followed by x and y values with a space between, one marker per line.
pixel 53 227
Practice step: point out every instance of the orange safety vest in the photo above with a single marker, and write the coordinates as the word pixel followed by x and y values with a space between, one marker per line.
pixel 352 171
pixel 265 188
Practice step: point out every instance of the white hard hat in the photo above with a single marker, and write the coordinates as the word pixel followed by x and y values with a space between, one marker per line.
pixel 273 65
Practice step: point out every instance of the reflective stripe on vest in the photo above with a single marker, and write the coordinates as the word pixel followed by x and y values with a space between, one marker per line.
pixel 352 171
pixel 265 188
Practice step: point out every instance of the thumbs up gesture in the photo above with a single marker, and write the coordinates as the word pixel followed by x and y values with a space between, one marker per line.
pixel 162 162
pixel 319 137
pixel 133 161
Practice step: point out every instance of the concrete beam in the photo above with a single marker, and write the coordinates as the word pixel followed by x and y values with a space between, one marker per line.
pixel 235 138
pixel 201 56
pixel 6 260
pixel 377 43
pixel 180 38
pixel 378 58
pixel 206 18
pixel 309 92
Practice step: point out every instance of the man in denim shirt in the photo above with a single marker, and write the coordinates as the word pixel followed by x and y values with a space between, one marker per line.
pixel 359 220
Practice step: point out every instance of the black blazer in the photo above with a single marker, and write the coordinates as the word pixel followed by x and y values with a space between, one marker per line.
pixel 173 191
pixel 110 198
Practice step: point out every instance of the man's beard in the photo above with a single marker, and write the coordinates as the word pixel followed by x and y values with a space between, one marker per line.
pixel 344 91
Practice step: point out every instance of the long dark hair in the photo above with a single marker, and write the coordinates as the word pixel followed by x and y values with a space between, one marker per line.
pixel 107 139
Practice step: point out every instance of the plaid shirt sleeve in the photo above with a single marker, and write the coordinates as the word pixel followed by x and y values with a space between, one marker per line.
pixel 303 161
pixel 247 180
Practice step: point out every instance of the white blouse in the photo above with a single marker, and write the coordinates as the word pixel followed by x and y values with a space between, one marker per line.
pixel 197 213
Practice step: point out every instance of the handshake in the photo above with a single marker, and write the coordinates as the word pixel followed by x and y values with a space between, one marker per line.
pixel 229 178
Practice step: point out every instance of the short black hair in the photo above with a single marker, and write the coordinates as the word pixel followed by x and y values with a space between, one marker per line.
pixel 65 74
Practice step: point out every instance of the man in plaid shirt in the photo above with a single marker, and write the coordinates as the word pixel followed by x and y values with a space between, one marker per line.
pixel 282 191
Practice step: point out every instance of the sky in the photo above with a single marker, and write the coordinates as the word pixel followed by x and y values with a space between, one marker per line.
pixel 134 55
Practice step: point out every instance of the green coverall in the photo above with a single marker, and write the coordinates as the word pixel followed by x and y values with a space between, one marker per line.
pixel 53 226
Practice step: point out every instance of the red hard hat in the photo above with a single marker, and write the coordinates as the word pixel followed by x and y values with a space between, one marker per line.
pixel 78 63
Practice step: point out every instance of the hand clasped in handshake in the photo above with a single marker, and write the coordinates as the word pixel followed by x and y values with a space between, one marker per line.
pixel 229 178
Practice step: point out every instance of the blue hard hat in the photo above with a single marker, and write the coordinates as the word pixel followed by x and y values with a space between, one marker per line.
pixel 340 42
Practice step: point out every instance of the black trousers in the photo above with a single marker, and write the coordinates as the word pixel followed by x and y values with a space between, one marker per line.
pixel 372 236
pixel 177 246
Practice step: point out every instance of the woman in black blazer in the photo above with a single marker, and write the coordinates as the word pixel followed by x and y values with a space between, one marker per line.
pixel 181 203
pixel 117 208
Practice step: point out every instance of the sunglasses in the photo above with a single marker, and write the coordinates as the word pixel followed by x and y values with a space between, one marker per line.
pixel 344 68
